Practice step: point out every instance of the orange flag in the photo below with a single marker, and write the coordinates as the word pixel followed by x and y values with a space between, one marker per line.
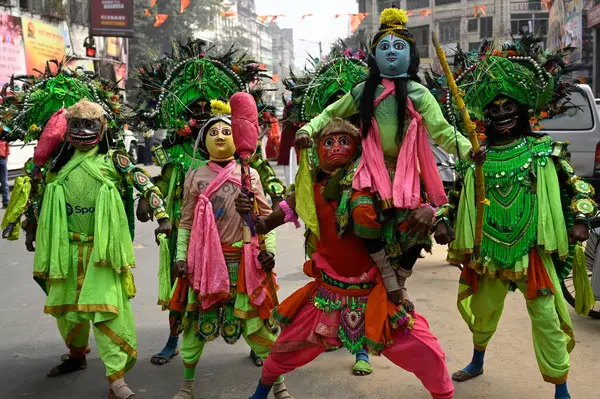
pixel 147 13
pixel 546 4
pixel 479 10
pixel 184 5
pixel 228 14
pixel 356 19
pixel 306 15
pixel 160 19
pixel 425 13
pixel 409 13
pixel 275 78
pixel 262 18
pixel 152 3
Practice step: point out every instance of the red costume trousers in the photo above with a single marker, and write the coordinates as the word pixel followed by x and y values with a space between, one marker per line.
pixel 417 351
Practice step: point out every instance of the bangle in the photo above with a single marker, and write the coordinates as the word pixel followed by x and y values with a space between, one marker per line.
pixel 290 215
pixel 432 208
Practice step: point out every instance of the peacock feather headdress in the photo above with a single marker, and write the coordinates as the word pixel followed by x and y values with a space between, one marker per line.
pixel 334 76
pixel 28 101
pixel 172 84
pixel 520 70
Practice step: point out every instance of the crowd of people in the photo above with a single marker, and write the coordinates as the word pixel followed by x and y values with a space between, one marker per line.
pixel 368 190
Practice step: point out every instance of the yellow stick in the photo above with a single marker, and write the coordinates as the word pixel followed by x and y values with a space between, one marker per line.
pixel 472 132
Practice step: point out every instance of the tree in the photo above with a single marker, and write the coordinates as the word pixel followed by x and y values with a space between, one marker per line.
pixel 150 40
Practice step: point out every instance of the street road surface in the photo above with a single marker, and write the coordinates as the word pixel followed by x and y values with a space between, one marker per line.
pixel 30 344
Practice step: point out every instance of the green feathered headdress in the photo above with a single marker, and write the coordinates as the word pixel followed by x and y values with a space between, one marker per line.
pixel 28 101
pixel 172 84
pixel 520 70
pixel 334 76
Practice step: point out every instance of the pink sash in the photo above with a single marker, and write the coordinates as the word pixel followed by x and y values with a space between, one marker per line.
pixel 206 263
pixel 415 154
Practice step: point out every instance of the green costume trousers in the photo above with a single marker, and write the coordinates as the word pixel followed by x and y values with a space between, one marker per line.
pixel 95 296
pixel 192 346
pixel 549 340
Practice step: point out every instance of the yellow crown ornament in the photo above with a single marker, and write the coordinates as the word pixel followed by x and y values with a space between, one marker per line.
pixel 219 107
pixel 394 18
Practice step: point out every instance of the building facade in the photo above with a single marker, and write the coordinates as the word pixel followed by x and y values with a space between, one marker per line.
pixel 468 23
pixel 34 31
pixel 262 41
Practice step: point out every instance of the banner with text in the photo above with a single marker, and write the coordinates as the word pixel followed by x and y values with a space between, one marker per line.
pixel 112 18
pixel 43 42
pixel 12 54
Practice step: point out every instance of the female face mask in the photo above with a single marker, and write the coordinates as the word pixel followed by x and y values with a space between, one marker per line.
pixel 393 57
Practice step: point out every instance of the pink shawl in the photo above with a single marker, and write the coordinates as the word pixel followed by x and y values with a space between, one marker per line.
pixel 415 155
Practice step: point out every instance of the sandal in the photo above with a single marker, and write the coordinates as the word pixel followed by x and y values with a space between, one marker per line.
pixel 164 356
pixel 464 375
pixel 258 362
pixel 362 368
pixel 71 365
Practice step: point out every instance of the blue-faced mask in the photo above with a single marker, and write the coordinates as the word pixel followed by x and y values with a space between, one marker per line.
pixel 393 57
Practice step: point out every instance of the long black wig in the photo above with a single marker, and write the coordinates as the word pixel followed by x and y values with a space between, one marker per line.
pixel 367 109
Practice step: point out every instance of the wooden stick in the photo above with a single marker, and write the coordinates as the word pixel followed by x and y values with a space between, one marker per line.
pixel 472 133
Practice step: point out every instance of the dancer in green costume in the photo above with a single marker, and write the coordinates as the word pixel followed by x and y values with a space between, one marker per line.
pixel 33 109
pixel 538 208
pixel 175 94
pixel 84 251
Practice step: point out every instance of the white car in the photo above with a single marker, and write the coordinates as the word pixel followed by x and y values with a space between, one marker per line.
pixel 131 145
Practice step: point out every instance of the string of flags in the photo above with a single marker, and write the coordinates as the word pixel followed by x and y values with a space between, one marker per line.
pixel 355 19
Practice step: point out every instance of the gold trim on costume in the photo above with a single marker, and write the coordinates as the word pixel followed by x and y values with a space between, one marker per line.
pixel 190 365
pixel 267 343
pixel 556 380
pixel 72 334
pixel 81 308
pixel 80 271
pixel 116 376
pixel 479 348
pixel 246 314
pixel 116 339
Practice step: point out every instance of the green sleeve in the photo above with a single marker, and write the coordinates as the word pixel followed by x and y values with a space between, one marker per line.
pixel 183 242
pixel 162 181
pixel 271 242
pixel 343 108
pixel 268 179
pixel 579 203
pixel 450 139
pixel 142 181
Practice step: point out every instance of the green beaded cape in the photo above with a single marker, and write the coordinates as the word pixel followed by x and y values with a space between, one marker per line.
pixel 28 101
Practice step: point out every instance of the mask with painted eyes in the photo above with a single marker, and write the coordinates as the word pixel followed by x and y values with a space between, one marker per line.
pixel 502 116
pixel 219 142
pixel 335 151
pixel 84 134
pixel 393 57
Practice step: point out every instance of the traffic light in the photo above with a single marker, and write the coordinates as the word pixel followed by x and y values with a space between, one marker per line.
pixel 90 47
